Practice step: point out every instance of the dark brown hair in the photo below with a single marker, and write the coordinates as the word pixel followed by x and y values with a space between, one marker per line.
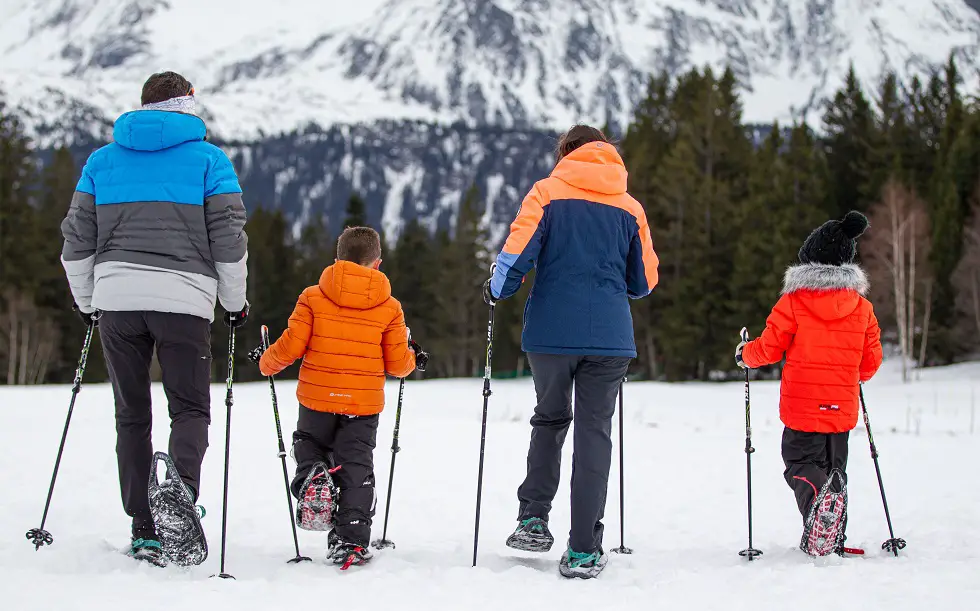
pixel 361 245
pixel 577 136
pixel 164 86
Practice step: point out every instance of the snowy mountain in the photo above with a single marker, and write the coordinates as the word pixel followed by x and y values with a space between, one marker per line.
pixel 263 69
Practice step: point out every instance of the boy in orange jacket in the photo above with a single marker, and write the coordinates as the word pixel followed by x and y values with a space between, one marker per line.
pixel 350 332
pixel 828 332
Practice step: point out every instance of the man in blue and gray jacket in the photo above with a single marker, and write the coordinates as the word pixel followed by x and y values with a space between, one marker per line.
pixel 154 237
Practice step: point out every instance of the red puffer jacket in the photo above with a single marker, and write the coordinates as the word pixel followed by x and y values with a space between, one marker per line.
pixel 830 336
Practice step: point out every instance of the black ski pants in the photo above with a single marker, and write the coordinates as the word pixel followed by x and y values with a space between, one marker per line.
pixel 596 380
pixel 809 459
pixel 344 443
pixel 183 345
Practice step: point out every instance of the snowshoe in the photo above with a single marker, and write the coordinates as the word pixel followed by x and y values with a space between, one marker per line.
pixel 582 566
pixel 345 554
pixel 146 546
pixel 823 530
pixel 318 502
pixel 177 519
pixel 532 535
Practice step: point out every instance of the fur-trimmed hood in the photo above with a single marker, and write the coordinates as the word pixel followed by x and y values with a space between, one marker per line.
pixel 819 277
pixel 830 292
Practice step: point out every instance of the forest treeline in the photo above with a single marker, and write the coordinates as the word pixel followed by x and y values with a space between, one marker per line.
pixel 729 205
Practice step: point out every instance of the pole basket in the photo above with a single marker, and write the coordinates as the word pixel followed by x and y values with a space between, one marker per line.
pixel 40 537
pixel 892 546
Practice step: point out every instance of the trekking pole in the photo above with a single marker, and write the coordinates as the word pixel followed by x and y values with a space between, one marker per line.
pixel 622 549
pixel 893 544
pixel 282 456
pixel 383 542
pixel 483 434
pixel 229 401
pixel 749 552
pixel 39 536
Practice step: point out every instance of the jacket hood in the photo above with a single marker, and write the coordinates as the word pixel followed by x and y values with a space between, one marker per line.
pixel 595 166
pixel 350 285
pixel 155 130
pixel 831 292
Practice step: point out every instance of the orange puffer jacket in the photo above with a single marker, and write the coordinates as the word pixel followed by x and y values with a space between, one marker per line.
pixel 349 331
pixel 830 336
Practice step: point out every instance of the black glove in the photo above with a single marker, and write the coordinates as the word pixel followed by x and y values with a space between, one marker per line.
pixel 421 356
pixel 488 297
pixel 237 319
pixel 255 354
pixel 92 318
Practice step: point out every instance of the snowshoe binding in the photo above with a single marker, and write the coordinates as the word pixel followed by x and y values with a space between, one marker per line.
pixel 146 546
pixel 823 530
pixel 177 519
pixel 318 500
pixel 345 554
pixel 582 565
pixel 531 535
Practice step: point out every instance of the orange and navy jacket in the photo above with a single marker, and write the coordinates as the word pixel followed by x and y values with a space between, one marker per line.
pixel 591 245
pixel 349 331
pixel 830 336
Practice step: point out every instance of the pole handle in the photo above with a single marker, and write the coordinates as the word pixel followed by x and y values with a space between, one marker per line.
pixel 744 334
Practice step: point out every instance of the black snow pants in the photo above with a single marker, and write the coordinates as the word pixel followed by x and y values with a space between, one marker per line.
pixel 596 380
pixel 183 345
pixel 809 459
pixel 345 443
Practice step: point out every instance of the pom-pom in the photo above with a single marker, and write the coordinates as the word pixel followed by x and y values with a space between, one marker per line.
pixel 854 224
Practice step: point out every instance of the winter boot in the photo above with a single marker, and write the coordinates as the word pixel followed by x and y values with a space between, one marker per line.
pixel 823 530
pixel 346 554
pixel 582 566
pixel 145 545
pixel 318 500
pixel 532 535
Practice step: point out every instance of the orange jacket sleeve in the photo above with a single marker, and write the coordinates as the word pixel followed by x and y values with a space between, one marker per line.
pixel 292 345
pixel 770 347
pixel 399 358
pixel 642 261
pixel 523 245
pixel 871 360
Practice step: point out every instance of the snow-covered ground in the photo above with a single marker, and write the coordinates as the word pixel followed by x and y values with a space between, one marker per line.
pixel 685 507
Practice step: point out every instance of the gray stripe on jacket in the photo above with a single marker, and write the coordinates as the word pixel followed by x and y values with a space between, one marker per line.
pixel 130 287
pixel 80 232
pixel 158 234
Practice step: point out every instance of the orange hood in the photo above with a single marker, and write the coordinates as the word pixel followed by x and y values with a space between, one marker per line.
pixel 593 167
pixel 350 285
pixel 831 292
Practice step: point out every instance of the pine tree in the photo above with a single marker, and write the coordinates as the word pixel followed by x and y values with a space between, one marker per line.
pixel 849 142
pixel 464 268
pixel 949 202
pixel 272 292
pixel 413 272
pixel 53 297
pixel 695 192
pixel 19 256
pixel 356 215
pixel 648 139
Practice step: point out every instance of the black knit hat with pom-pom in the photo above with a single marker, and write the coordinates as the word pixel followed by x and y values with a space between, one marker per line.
pixel 835 242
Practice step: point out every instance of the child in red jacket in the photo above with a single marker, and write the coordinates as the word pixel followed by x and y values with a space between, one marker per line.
pixel 829 335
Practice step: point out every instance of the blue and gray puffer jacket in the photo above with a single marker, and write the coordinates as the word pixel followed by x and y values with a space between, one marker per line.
pixel 157 221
